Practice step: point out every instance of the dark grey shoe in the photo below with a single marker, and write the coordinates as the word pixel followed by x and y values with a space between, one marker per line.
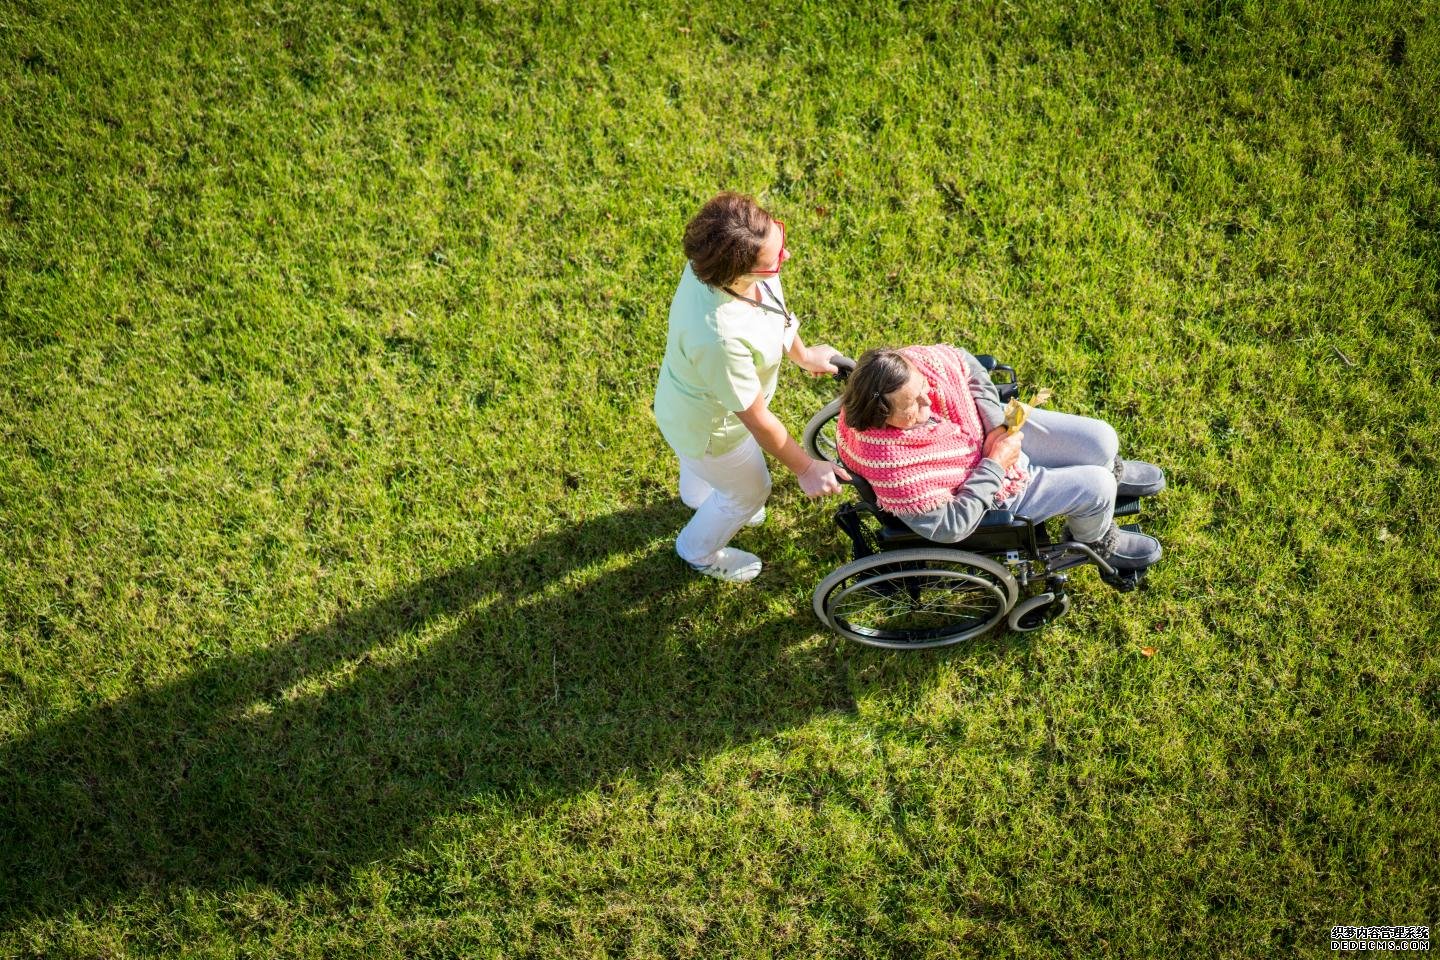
pixel 1124 550
pixel 1136 478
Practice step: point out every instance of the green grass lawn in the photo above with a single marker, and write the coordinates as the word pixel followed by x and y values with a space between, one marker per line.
pixel 338 607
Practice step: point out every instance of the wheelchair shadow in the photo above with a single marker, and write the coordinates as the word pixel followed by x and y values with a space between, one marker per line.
pixel 529 675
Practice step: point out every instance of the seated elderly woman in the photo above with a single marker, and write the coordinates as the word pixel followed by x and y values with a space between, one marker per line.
pixel 924 426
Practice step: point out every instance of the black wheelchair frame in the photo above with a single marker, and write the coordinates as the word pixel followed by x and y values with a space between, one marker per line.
pixel 902 591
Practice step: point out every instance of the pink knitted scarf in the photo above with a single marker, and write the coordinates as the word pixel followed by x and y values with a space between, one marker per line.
pixel 916 470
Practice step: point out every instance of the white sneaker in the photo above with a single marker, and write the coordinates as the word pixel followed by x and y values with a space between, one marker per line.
pixel 756 520
pixel 732 566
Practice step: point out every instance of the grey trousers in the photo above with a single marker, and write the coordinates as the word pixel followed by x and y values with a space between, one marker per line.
pixel 1071 472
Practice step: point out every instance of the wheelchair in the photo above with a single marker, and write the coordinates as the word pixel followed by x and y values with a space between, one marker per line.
pixel 904 592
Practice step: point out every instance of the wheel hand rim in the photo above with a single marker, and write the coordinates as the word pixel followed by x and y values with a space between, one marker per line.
pixel 989 599
pixel 827 444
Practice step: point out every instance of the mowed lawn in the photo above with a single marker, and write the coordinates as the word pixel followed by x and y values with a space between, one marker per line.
pixel 339 613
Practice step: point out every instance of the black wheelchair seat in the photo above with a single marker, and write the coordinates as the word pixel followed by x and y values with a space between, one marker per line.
pixel 998 529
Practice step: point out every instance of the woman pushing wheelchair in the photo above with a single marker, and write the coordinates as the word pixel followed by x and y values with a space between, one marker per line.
pixel 729 329
pixel 925 427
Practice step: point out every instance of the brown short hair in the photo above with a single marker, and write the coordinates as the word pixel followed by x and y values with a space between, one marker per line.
pixel 877 374
pixel 723 240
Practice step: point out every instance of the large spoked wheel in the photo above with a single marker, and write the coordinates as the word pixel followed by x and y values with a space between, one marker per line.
pixel 915 599
pixel 819 436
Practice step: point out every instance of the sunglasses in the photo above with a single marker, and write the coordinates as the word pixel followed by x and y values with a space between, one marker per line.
pixel 784 255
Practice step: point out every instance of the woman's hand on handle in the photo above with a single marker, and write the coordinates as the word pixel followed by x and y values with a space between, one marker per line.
pixel 816 360
pixel 813 360
pixel 817 477
pixel 1003 447
pixel 822 478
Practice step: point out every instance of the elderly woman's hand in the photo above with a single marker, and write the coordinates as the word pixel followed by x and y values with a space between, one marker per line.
pixel 1002 446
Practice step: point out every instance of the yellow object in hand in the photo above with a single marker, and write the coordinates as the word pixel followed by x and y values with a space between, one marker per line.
pixel 1017 412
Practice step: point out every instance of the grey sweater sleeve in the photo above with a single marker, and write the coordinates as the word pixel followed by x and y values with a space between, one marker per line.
pixel 982 388
pixel 957 519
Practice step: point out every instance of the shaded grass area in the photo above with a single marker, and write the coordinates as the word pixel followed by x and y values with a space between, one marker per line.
pixel 339 613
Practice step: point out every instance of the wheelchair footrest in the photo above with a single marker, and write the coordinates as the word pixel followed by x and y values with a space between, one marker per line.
pixel 1127 506
pixel 1124 580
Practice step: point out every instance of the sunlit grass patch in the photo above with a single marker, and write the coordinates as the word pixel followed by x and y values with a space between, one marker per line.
pixel 338 608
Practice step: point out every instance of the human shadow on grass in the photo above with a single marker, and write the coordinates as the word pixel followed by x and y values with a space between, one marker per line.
pixel 533 673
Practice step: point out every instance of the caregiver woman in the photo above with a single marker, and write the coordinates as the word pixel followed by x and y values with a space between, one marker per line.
pixel 729 328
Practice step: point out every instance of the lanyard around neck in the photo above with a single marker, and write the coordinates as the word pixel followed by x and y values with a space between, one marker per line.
pixel 778 311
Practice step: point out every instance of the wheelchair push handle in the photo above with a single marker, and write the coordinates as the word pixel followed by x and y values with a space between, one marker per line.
pixel 844 366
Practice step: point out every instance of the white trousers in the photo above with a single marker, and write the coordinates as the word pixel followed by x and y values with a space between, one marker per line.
pixel 724 492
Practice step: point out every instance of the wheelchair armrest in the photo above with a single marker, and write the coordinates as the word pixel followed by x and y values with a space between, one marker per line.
pixel 1008 385
pixel 997 518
